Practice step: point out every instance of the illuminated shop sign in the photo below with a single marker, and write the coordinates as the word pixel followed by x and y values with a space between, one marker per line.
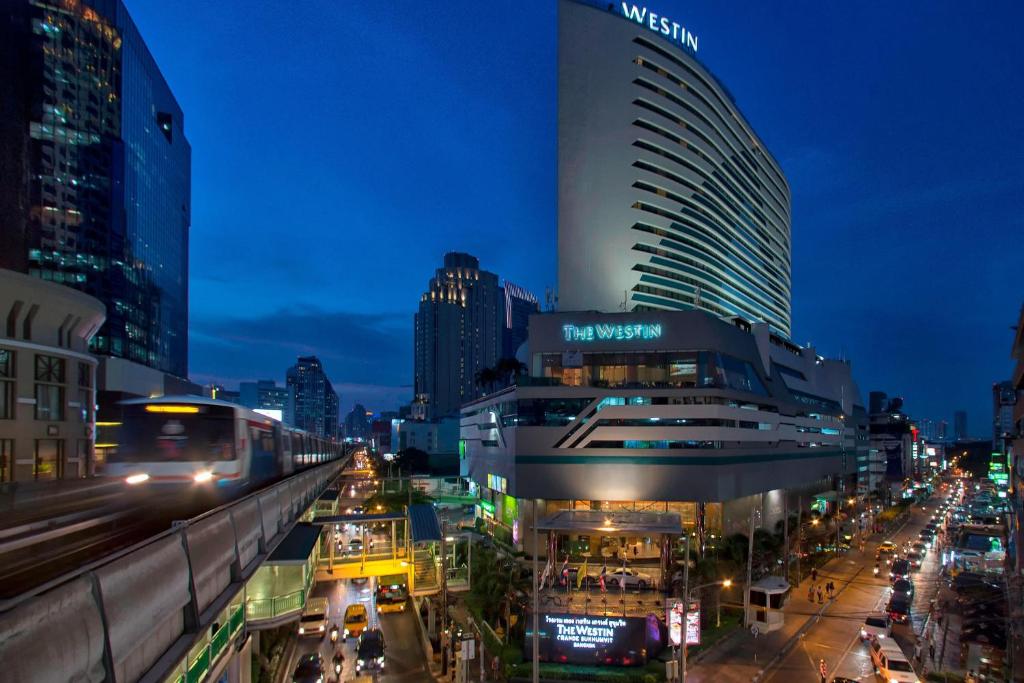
pixel 675 622
pixel 660 24
pixel 607 332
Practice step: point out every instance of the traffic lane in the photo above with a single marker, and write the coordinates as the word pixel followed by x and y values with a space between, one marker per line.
pixel 836 637
pixel 340 594
pixel 405 661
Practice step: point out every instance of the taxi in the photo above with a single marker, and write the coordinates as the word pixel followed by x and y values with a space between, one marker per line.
pixel 356 620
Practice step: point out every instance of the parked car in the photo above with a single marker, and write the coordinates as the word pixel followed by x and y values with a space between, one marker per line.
pixel 915 558
pixel 903 587
pixel 890 662
pixel 628 578
pixel 920 548
pixel 900 569
pixel 877 625
pixel 899 609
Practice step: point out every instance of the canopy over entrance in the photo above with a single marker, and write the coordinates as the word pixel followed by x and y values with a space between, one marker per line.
pixel 612 522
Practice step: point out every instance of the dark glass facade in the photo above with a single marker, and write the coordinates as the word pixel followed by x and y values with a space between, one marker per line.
pixel 96 184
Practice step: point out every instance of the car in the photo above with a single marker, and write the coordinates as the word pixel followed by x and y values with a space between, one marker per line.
pixel 899 609
pixel 890 662
pixel 900 569
pixel 370 651
pixel 903 587
pixel 887 547
pixel 313 621
pixel 310 669
pixel 877 625
pixel 920 547
pixel 927 536
pixel 624 577
pixel 915 558
pixel 356 620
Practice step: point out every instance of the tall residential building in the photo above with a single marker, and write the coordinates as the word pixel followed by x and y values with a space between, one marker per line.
pixel 314 404
pixel 458 333
pixel 1004 398
pixel 519 305
pixel 264 394
pixel 667 198
pixel 941 430
pixel 95 172
pixel 960 425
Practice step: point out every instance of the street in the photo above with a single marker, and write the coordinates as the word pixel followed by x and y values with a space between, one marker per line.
pixel 835 637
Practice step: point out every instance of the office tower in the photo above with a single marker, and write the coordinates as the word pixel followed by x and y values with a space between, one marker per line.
pixel 519 304
pixel 357 423
pixel 960 425
pixel 458 333
pixel 264 394
pixel 315 405
pixel 95 172
pixel 667 198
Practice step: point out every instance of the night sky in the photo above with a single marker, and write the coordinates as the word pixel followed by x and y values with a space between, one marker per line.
pixel 340 148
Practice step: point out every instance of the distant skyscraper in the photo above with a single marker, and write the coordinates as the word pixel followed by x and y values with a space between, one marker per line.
pixel 960 425
pixel 264 394
pixel 941 430
pixel 95 172
pixel 357 423
pixel 519 304
pixel 315 405
pixel 458 333
pixel 927 428
pixel 877 402
pixel 667 197
pixel 1004 398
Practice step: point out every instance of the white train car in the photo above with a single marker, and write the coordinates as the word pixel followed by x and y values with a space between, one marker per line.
pixel 190 440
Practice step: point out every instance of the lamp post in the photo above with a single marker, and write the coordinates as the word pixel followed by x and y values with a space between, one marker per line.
pixel 725 583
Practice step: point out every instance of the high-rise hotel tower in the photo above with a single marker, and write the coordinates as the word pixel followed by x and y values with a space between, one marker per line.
pixel 667 198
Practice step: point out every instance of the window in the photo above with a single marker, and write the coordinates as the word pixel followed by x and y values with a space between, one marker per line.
pixel 6 459
pixel 49 458
pixel 7 363
pixel 84 375
pixel 49 402
pixel 49 369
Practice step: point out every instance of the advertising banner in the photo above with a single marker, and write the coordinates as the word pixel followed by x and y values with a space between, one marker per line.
pixel 581 639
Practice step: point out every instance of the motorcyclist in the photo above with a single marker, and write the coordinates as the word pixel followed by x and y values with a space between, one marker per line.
pixel 878 569
pixel 334 633
pixel 339 659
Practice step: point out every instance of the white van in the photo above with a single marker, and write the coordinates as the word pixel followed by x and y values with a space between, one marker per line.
pixel 891 663
pixel 313 621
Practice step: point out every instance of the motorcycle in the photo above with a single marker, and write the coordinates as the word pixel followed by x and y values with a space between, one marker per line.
pixel 338 659
pixel 877 570
pixel 334 633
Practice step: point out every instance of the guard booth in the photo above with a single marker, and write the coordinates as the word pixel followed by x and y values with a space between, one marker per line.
pixel 767 598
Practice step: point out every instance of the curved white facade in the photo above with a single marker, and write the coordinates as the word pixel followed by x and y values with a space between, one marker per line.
pixel 667 198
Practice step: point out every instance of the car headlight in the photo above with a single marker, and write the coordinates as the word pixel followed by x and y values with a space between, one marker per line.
pixel 203 476
pixel 137 478
pixel 301 630
pixel 360 662
pixel 863 633
pixel 346 631
pixel 321 627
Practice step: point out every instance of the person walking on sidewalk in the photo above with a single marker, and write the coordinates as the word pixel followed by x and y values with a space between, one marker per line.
pixel 810 593
pixel 821 599
pixel 823 671
pixel 931 649
pixel 814 575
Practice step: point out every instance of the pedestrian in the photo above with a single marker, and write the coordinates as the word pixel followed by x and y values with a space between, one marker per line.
pixel 917 651
pixel 814 575
pixel 823 671
pixel 931 650
pixel 821 599
pixel 810 593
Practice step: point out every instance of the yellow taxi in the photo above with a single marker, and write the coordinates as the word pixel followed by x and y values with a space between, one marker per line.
pixel 356 620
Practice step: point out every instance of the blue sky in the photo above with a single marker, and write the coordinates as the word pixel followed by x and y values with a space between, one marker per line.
pixel 340 148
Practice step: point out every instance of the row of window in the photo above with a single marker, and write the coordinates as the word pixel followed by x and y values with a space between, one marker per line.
pixel 50 393
pixel 48 460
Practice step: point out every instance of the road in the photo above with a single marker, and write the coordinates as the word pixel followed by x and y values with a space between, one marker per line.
pixel 405 660
pixel 836 636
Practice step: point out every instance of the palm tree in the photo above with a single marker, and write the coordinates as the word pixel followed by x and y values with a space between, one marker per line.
pixel 486 378
pixel 508 369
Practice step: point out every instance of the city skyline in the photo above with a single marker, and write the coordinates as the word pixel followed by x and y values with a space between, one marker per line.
pixel 873 194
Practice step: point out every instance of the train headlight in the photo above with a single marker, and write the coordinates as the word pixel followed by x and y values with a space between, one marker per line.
pixel 203 476
pixel 137 478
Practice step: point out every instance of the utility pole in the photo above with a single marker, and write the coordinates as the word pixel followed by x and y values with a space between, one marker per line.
pixel 785 530
pixel 536 601
pixel 686 611
pixel 799 535
pixel 750 571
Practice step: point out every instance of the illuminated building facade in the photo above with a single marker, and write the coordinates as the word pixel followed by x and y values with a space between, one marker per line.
pixel 314 405
pixel 667 198
pixel 689 410
pixel 458 333
pixel 95 172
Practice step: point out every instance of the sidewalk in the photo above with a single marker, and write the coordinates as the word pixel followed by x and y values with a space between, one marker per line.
pixel 743 657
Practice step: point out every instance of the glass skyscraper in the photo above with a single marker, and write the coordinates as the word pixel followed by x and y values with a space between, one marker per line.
pixel 95 177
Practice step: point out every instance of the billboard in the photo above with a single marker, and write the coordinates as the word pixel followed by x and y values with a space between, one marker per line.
pixel 674 619
pixel 582 639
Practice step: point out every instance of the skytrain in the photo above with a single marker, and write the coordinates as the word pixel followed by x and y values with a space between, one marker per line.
pixel 202 442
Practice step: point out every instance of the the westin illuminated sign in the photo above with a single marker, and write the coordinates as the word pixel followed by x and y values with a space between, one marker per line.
pixel 660 24
pixel 608 332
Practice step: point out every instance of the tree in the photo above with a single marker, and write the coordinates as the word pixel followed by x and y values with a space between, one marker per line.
pixel 486 379
pixel 413 461
pixel 395 501
pixel 508 369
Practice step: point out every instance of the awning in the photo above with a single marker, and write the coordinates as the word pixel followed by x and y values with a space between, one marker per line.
pixel 423 523
pixel 297 547
pixel 612 522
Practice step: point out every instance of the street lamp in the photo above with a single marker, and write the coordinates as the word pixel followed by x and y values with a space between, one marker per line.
pixel 687 592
